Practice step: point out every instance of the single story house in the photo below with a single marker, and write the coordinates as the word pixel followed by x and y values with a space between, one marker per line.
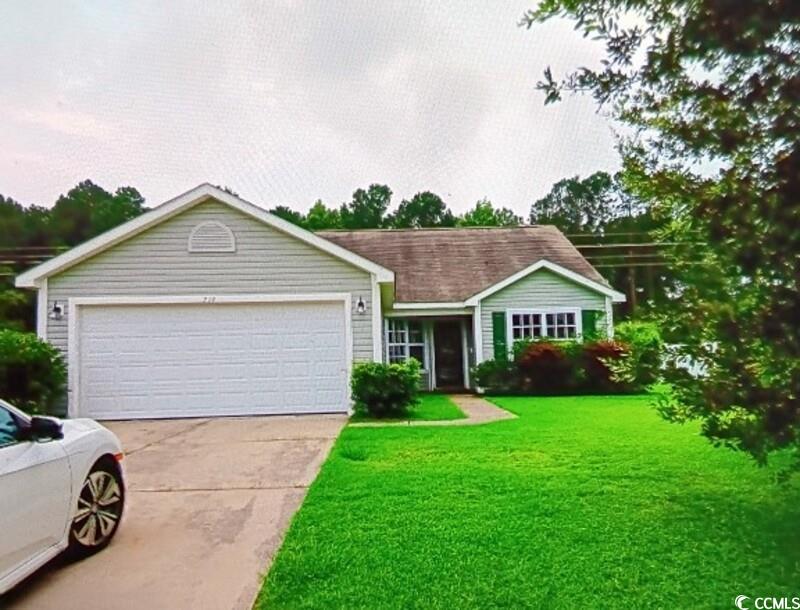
pixel 209 306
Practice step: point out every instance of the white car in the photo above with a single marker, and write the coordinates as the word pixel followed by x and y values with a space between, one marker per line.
pixel 61 487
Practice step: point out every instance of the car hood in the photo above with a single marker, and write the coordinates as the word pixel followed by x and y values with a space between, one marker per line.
pixel 81 435
pixel 72 427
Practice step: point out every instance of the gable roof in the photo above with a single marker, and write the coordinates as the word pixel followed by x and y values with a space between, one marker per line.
pixel 173 207
pixel 452 265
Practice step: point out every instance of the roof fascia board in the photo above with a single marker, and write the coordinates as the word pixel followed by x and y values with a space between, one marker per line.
pixel 432 305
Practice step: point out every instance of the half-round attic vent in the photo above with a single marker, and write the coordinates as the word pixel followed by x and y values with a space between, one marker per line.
pixel 212 236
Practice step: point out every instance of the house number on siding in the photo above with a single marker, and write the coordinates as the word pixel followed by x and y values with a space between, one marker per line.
pixel 209 299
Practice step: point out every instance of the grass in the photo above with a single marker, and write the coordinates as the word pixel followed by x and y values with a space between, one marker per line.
pixel 580 502
pixel 430 407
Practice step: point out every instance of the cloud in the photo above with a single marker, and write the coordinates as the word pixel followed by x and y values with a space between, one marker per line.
pixel 66 122
pixel 292 101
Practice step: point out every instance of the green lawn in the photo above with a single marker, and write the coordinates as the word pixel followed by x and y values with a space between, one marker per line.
pixel 430 407
pixel 581 502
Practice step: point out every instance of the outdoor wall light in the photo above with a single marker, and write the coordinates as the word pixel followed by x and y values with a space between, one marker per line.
pixel 361 306
pixel 57 311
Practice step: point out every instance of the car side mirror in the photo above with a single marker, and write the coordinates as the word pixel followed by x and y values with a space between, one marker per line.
pixel 44 428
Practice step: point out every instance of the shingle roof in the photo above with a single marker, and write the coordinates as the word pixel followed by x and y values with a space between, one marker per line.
pixel 451 265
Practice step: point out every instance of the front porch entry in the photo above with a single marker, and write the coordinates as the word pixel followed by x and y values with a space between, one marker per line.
pixel 448 355
pixel 443 345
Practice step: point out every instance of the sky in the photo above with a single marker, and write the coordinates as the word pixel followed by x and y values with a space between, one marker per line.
pixel 290 101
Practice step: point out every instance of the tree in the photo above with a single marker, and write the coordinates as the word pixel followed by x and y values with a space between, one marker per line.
pixel 28 234
pixel 484 214
pixel 600 211
pixel 88 210
pixel 578 206
pixel 12 223
pixel 287 213
pixel 127 203
pixel 424 209
pixel 709 94
pixel 320 217
pixel 367 209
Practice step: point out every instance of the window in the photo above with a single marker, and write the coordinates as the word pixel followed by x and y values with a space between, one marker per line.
pixel 561 325
pixel 9 430
pixel 405 339
pixel 526 326
pixel 536 324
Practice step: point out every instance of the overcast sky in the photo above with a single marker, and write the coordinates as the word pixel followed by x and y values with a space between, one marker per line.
pixel 289 101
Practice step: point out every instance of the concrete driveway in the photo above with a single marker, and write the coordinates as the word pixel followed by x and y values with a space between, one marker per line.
pixel 208 504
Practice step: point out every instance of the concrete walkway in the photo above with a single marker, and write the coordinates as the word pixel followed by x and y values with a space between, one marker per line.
pixel 208 502
pixel 477 410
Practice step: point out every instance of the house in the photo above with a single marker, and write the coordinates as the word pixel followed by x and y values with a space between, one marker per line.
pixel 207 305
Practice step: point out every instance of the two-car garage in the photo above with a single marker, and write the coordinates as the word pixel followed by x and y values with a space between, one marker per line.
pixel 209 356
pixel 208 305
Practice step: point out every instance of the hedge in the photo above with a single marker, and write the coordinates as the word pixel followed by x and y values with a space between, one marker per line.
pixel 32 372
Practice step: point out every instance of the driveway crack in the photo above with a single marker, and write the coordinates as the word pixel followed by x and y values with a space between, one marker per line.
pixel 169 436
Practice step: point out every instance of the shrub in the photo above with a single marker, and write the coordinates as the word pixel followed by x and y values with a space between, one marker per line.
pixel 547 367
pixel 642 365
pixel 385 390
pixel 32 372
pixel 598 358
pixel 497 376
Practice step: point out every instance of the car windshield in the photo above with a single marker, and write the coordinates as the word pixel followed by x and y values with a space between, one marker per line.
pixel 8 428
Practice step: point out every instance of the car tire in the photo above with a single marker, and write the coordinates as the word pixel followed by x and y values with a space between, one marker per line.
pixel 99 510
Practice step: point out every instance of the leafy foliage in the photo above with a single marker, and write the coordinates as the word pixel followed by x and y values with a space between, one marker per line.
pixel 83 212
pixel 499 376
pixel 484 214
pixel 88 210
pixel 577 206
pixel 709 94
pixel 288 214
pixel 542 367
pixel 385 390
pixel 32 372
pixel 605 206
pixel 367 209
pixel 321 217
pixel 424 209
pixel 642 364
pixel 545 368
pixel 16 309
pixel 598 359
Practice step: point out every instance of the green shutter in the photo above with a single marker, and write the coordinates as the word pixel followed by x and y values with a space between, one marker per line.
pixel 589 322
pixel 499 335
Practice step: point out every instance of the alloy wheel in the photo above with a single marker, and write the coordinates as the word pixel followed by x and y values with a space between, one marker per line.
pixel 99 509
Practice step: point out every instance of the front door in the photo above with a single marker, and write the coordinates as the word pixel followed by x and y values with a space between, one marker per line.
pixel 449 354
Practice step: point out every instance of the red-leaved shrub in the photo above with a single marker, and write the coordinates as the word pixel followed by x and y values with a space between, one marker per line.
pixel 545 367
pixel 598 375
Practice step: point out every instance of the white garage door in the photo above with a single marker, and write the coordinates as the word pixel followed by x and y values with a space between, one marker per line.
pixel 197 360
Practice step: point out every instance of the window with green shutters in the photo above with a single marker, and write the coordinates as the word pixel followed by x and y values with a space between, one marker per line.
pixel 513 325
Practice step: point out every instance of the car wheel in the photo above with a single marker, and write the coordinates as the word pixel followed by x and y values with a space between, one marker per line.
pixel 99 511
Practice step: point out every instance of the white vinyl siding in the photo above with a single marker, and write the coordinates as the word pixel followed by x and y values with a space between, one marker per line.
pixel 266 261
pixel 542 289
